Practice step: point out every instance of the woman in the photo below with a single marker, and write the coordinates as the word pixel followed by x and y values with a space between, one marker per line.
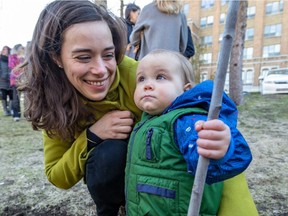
pixel 161 25
pixel 79 91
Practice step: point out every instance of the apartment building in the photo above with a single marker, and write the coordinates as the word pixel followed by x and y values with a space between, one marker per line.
pixel 266 38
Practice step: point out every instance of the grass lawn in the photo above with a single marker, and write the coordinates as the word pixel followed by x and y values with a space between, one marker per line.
pixel 24 189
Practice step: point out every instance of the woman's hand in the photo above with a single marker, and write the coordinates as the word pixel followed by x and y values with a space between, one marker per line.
pixel 114 125
pixel 213 138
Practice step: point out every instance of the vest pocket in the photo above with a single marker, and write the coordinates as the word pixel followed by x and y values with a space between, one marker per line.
pixel 157 196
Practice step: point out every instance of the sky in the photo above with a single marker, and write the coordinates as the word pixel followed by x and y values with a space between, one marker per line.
pixel 18 18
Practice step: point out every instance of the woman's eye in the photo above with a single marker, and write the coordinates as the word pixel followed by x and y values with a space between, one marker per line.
pixel 83 58
pixel 109 55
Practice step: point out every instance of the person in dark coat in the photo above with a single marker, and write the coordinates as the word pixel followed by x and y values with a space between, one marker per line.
pixel 6 91
pixel 132 12
pixel 14 60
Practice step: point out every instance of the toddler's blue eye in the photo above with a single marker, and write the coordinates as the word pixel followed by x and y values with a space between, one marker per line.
pixel 141 79
pixel 160 77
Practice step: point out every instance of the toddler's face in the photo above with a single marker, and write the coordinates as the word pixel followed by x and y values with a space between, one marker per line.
pixel 158 83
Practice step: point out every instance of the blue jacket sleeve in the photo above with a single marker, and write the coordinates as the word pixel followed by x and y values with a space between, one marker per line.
pixel 236 160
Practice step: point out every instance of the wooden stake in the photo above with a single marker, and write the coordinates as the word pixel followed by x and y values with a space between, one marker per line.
pixel 216 103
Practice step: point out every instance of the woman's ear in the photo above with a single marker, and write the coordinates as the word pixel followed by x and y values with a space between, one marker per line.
pixel 58 61
pixel 187 86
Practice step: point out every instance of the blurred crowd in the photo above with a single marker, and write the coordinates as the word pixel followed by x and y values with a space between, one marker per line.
pixel 11 59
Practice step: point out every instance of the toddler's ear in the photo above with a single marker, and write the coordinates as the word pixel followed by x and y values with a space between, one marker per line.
pixel 187 86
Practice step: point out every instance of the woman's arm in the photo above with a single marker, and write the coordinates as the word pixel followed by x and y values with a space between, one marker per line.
pixel 65 161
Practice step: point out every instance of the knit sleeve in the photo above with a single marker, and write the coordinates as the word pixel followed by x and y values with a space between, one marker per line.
pixel 140 26
pixel 184 34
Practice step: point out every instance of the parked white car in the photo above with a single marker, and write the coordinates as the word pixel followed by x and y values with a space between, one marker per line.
pixel 274 82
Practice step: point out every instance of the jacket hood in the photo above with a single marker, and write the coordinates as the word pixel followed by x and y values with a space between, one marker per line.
pixel 200 96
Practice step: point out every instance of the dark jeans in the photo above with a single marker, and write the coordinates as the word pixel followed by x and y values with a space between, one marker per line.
pixel 105 173
pixel 5 93
pixel 16 103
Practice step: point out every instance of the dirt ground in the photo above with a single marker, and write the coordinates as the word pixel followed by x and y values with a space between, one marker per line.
pixel 24 189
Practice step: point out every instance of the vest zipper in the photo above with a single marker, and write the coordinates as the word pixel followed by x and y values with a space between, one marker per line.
pixel 148 144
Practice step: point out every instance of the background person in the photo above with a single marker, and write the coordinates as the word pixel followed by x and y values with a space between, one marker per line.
pixel 161 25
pixel 15 60
pixel 132 12
pixel 6 91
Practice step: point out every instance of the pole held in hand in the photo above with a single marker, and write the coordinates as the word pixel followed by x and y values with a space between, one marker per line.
pixel 216 103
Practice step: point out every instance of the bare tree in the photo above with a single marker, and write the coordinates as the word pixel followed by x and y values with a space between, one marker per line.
pixel 101 2
pixel 121 8
pixel 196 61
pixel 236 64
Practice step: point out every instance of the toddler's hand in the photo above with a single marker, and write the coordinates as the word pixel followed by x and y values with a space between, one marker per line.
pixel 213 138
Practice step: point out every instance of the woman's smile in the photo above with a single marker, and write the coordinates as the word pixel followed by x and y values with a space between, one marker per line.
pixel 97 83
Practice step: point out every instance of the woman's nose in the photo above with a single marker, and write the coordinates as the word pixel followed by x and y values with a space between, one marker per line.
pixel 98 67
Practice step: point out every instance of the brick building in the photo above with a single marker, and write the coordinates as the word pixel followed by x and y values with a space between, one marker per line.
pixel 266 38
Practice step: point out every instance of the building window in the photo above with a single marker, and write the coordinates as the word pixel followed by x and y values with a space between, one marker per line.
pixel 272 30
pixel 206 21
pixel 274 7
pixel 221 37
pixel 206 40
pixel 207 3
pixel 251 12
pixel 222 18
pixel 210 20
pixel 249 35
pixel 247 76
pixel 206 58
pixel 248 53
pixel 203 76
pixel 186 9
pixel 272 50
pixel 224 2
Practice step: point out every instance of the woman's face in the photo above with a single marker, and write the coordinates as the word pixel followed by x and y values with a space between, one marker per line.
pixel 5 51
pixel 88 58
pixel 134 16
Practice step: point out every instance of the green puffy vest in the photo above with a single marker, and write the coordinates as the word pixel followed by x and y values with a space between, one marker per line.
pixel 157 181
